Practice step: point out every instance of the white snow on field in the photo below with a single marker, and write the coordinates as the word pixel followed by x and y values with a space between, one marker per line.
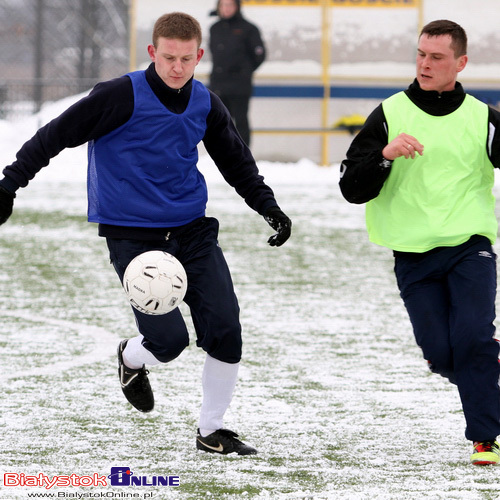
pixel 332 391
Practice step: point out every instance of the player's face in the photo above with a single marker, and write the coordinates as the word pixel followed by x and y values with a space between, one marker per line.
pixel 437 66
pixel 227 8
pixel 175 60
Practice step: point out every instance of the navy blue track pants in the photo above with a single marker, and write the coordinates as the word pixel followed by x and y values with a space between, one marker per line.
pixel 210 293
pixel 449 294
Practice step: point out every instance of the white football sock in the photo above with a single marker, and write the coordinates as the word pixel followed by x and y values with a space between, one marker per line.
pixel 135 355
pixel 218 381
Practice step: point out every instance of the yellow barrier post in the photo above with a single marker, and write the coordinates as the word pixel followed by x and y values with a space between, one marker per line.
pixel 325 77
pixel 132 16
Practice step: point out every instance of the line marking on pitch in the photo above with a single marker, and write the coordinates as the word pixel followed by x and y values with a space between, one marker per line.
pixel 104 345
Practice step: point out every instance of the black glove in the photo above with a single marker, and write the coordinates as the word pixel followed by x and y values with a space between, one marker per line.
pixel 6 204
pixel 280 223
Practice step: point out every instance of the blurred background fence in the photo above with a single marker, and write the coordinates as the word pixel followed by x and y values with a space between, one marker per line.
pixel 50 49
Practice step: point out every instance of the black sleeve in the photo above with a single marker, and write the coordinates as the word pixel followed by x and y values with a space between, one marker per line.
pixel 234 159
pixel 365 170
pixel 211 41
pixel 494 137
pixel 257 49
pixel 108 106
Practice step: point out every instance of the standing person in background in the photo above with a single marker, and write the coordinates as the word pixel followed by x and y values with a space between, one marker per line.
pixel 237 51
pixel 423 163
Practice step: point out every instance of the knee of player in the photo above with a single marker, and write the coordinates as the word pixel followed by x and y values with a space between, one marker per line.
pixel 167 353
pixel 445 369
pixel 228 350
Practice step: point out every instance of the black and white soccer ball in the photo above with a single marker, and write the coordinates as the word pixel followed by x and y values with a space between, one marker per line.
pixel 155 282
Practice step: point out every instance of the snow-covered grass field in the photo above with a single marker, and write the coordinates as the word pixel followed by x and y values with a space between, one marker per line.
pixel 333 391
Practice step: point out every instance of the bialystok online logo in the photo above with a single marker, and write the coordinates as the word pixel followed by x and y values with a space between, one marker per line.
pixel 119 476
pixel 123 476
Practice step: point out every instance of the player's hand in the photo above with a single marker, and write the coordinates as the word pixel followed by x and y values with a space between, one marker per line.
pixel 6 204
pixel 403 145
pixel 280 223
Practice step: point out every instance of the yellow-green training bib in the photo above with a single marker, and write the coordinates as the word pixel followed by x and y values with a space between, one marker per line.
pixel 443 197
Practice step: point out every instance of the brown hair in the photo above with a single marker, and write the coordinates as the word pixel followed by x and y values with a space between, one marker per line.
pixel 445 27
pixel 177 25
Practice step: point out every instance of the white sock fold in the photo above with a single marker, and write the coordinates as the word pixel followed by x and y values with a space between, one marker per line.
pixel 135 355
pixel 218 381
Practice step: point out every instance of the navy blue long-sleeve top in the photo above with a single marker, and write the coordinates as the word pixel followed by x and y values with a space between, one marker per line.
pixel 108 106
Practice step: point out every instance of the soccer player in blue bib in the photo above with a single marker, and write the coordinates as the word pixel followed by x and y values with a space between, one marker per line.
pixel 146 193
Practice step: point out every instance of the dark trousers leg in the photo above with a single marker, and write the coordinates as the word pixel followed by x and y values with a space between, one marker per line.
pixel 165 336
pixel 450 298
pixel 210 294
pixel 472 286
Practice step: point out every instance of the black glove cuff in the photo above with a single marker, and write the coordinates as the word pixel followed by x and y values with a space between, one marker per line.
pixel 7 192
pixel 272 211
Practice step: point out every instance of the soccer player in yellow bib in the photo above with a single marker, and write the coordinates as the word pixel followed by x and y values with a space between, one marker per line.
pixel 423 164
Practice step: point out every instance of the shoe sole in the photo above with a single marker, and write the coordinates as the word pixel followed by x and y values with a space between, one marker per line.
pixel 485 459
pixel 484 462
pixel 219 450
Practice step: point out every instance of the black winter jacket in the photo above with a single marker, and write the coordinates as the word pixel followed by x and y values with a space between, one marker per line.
pixel 237 51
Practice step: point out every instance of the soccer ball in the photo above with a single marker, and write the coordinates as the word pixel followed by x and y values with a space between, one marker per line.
pixel 155 282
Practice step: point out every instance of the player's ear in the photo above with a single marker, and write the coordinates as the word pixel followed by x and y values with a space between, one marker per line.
pixel 199 55
pixel 152 52
pixel 461 63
